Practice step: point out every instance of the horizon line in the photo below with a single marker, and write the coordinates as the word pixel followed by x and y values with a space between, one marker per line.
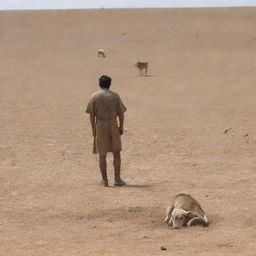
pixel 123 8
pixel 120 4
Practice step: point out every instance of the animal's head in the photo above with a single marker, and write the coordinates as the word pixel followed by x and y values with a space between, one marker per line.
pixel 180 217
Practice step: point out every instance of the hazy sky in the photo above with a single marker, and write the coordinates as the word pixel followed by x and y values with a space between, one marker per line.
pixel 76 4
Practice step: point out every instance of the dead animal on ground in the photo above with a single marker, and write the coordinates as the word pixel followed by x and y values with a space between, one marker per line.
pixel 142 67
pixel 185 211
pixel 101 53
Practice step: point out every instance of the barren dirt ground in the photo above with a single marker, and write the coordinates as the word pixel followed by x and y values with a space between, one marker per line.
pixel 190 127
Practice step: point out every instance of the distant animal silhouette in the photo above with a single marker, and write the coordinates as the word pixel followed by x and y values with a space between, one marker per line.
pixel 101 53
pixel 142 67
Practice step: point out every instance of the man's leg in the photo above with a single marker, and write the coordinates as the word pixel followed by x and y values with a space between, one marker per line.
pixel 117 167
pixel 103 169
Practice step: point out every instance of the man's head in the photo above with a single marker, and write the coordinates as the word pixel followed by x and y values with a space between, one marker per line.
pixel 104 82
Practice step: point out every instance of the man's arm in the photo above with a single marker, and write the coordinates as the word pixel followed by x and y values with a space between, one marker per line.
pixel 120 110
pixel 121 123
pixel 92 119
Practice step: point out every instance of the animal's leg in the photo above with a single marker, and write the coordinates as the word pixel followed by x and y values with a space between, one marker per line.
pixel 170 223
pixel 167 218
pixel 197 220
pixel 168 214
pixel 206 220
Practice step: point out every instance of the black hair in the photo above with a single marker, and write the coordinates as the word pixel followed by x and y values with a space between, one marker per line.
pixel 105 81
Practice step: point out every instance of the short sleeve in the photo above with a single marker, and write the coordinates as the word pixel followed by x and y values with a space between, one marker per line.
pixel 90 107
pixel 121 107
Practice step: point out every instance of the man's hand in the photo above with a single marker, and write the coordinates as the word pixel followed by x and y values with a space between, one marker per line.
pixel 121 130
pixel 92 119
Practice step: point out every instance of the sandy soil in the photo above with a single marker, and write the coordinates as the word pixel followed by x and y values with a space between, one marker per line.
pixel 190 127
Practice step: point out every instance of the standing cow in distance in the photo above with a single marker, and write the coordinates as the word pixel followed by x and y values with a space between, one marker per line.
pixel 101 53
pixel 142 67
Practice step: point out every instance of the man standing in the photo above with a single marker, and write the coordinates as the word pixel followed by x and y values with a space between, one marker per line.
pixel 104 107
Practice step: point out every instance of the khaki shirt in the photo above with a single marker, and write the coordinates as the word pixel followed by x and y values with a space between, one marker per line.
pixel 106 105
